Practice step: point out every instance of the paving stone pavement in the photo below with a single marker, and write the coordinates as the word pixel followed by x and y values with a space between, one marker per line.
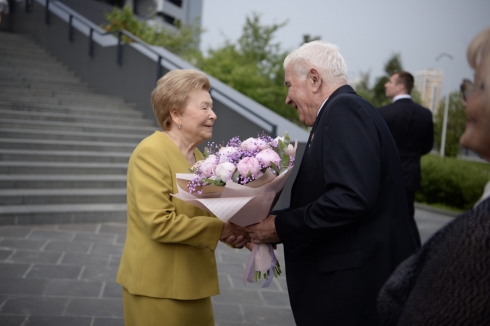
pixel 64 274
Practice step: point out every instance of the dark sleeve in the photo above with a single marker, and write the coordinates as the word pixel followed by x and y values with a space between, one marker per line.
pixel 447 281
pixel 350 168
pixel 394 294
pixel 429 139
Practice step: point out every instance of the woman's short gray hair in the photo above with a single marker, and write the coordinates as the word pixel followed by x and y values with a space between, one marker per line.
pixel 172 92
pixel 478 55
pixel 320 55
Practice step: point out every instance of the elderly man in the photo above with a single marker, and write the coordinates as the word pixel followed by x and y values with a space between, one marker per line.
pixel 347 226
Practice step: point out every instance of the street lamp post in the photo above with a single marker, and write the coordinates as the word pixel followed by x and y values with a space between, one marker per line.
pixel 446 106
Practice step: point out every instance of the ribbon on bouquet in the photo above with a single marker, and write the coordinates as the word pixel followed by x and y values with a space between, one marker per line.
pixel 250 271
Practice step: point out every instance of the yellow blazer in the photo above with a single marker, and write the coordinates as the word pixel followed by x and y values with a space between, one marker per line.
pixel 169 248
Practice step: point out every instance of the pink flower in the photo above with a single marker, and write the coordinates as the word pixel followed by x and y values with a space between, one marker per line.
pixel 248 165
pixel 225 170
pixel 261 144
pixel 208 166
pixel 267 156
pixel 250 144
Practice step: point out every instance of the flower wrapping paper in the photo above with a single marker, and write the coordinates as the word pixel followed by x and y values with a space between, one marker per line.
pixel 242 205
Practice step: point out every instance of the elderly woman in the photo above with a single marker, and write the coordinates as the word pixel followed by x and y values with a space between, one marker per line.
pixel 448 281
pixel 168 269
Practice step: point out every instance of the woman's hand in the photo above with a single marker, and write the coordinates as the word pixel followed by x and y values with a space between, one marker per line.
pixel 234 235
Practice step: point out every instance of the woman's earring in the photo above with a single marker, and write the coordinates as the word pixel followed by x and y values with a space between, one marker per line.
pixel 179 126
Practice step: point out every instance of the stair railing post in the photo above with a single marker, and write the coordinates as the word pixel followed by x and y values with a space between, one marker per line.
pixel 119 48
pixel 46 19
pixel 159 67
pixel 274 131
pixel 70 29
pixel 91 42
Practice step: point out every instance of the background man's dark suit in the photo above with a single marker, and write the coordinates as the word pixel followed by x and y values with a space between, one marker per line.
pixel 413 130
pixel 347 226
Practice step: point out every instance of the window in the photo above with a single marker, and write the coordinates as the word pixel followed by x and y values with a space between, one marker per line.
pixel 167 18
pixel 178 3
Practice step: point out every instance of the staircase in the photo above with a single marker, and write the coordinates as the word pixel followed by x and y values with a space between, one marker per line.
pixel 63 148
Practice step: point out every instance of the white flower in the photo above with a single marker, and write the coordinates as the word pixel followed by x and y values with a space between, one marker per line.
pixel 225 170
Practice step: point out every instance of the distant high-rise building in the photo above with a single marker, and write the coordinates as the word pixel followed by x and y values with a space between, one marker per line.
pixel 429 83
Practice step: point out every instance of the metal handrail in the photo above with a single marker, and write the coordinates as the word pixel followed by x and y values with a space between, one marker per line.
pixel 94 28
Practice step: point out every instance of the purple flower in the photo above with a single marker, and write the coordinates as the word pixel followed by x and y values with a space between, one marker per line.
pixel 227 151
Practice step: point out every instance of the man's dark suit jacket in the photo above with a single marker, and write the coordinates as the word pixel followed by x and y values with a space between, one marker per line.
pixel 413 130
pixel 347 226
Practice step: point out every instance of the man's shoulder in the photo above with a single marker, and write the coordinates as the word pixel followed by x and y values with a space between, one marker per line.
pixel 386 107
pixel 421 111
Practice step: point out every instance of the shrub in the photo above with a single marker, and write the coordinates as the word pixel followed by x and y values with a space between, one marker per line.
pixel 452 182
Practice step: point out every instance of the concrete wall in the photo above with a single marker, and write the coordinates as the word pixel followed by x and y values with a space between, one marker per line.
pixel 136 77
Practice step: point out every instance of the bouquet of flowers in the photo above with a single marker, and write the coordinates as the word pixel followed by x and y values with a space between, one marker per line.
pixel 240 183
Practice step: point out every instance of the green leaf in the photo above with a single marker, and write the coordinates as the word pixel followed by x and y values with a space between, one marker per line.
pixel 285 161
pixel 235 177
pixel 275 168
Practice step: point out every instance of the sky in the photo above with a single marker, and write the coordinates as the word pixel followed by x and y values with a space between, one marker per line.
pixel 368 32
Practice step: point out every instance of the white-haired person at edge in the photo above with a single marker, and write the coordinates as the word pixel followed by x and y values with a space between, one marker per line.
pixel 447 282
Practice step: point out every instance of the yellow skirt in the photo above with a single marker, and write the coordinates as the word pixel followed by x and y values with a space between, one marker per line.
pixel 141 310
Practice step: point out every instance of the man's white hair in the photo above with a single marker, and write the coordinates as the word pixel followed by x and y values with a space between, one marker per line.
pixel 320 55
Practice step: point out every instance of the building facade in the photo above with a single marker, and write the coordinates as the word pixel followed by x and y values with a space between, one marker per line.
pixel 169 11
pixel 429 83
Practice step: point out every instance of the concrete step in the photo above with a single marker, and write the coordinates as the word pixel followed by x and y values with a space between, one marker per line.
pixel 49 78
pixel 85 101
pixel 123 111
pixel 61 196
pixel 75 126
pixel 63 156
pixel 49 181
pixel 24 82
pixel 16 92
pixel 68 213
pixel 13 133
pixel 61 168
pixel 11 71
pixel 71 145
pixel 28 57
pixel 78 118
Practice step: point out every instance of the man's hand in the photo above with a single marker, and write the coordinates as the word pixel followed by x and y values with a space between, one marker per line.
pixel 234 235
pixel 264 232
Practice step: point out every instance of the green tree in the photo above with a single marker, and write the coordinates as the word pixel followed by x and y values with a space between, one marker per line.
pixel 362 87
pixel 253 66
pixel 455 124
pixel 183 40
pixel 393 64
pixel 307 38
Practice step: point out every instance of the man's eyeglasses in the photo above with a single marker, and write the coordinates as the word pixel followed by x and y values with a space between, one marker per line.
pixel 468 88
